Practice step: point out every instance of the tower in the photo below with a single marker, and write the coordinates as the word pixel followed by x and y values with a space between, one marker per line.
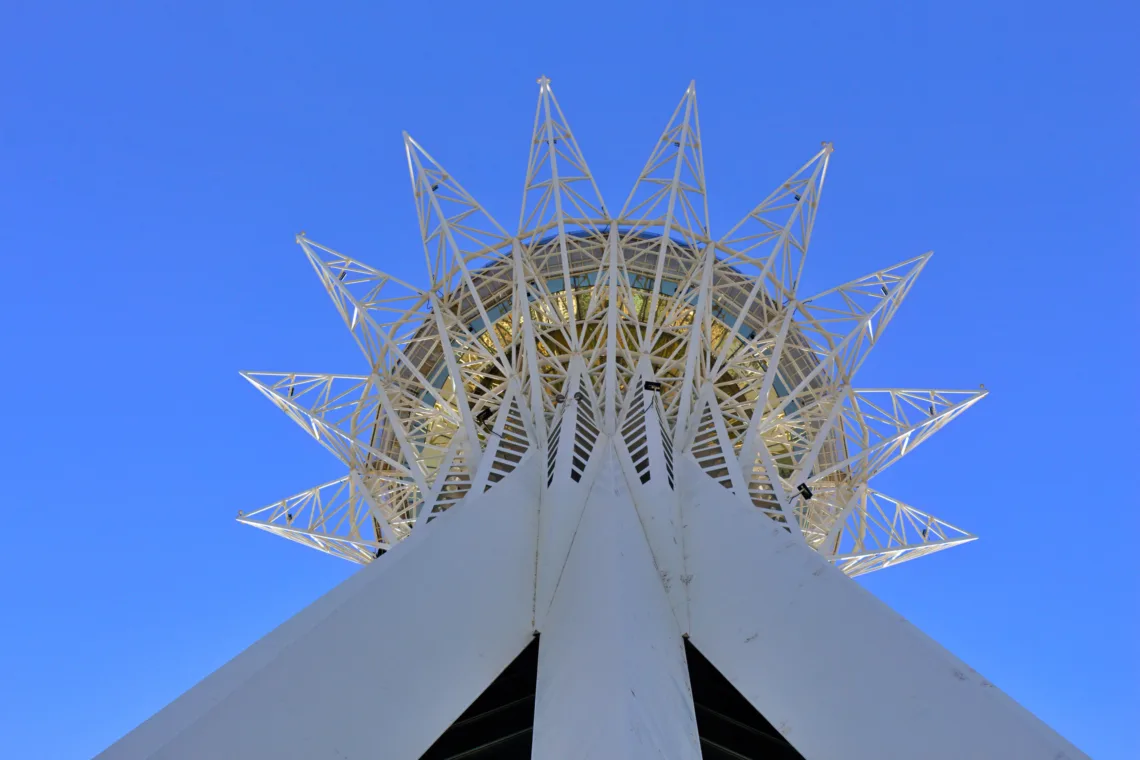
pixel 609 477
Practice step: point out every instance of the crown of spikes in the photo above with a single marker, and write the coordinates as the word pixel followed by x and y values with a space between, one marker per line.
pixel 642 316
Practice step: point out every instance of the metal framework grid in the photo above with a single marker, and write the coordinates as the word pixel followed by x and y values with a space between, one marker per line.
pixel 643 326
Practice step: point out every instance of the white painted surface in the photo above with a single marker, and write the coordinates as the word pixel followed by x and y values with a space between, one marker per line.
pixel 612 676
pixel 561 502
pixel 659 513
pixel 381 665
pixel 837 671
pixel 559 517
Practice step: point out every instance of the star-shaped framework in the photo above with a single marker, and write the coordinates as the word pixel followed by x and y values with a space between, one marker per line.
pixel 643 326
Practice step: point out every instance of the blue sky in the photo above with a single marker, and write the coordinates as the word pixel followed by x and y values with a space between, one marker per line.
pixel 158 159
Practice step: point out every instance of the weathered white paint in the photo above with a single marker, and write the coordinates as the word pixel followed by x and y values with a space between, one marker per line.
pixel 384 663
pixel 836 670
pixel 612 676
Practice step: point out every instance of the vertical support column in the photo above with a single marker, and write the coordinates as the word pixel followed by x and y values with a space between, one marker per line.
pixel 697 336
pixel 644 451
pixel 609 416
pixel 530 348
pixel 612 676
pixel 571 463
pixel 457 381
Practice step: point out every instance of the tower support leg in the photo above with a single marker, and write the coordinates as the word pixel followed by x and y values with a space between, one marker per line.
pixel 835 670
pixel 612 675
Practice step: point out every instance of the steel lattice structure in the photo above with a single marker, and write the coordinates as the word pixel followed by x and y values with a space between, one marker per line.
pixel 643 325
pixel 620 478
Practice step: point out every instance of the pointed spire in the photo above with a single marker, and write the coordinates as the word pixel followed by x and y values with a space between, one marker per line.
pixel 399 327
pixel 768 246
pixel 336 518
pixel 349 414
pixel 559 188
pixel 340 411
pixel 879 532
pixel 771 242
pixel 856 313
pixel 385 314
pixel 669 202
pixel 455 228
pixel 459 236
pixel 837 330
pixel 670 192
pixel 880 426
pixel 560 198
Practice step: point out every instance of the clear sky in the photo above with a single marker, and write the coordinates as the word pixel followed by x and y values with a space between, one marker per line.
pixel 157 159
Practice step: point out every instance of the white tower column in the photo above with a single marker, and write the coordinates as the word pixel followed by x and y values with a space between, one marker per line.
pixel 612 676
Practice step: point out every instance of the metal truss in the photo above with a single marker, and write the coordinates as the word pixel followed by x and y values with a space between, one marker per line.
pixel 884 532
pixel 337 517
pixel 643 327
